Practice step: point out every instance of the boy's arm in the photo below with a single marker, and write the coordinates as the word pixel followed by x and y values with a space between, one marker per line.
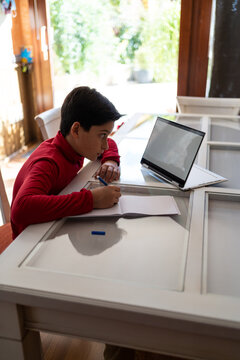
pixel 35 204
pixel 110 160
pixel 111 153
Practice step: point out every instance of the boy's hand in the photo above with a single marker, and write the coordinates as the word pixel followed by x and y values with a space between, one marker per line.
pixel 109 171
pixel 105 196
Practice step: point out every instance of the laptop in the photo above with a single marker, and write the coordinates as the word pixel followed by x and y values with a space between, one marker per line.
pixel 170 154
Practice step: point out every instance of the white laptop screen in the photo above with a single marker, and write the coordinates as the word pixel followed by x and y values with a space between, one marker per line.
pixel 172 149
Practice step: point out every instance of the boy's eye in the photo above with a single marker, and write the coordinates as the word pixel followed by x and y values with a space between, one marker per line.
pixel 103 136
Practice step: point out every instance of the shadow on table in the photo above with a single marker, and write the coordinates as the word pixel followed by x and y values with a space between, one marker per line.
pixel 81 237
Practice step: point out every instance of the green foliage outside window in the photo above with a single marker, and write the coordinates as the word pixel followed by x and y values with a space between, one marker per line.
pixel 131 41
pixel 93 35
pixel 160 39
pixel 83 35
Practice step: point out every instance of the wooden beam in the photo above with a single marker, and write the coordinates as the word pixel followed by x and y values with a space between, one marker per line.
pixel 21 30
pixel 193 47
pixel 36 85
pixel 43 91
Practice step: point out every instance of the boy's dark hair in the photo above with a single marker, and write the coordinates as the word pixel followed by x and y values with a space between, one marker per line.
pixel 88 107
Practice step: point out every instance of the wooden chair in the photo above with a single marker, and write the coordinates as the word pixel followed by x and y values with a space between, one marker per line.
pixel 206 105
pixel 5 229
pixel 49 122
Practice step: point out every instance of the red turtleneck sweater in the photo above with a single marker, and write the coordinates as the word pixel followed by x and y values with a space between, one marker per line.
pixel 47 171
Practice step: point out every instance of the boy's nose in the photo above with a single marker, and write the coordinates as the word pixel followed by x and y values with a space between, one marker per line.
pixel 105 145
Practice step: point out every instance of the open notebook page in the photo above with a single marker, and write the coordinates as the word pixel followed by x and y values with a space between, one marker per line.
pixel 138 205
pixel 148 205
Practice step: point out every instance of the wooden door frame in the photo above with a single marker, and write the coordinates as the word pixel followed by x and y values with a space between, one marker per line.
pixel 26 32
pixel 193 47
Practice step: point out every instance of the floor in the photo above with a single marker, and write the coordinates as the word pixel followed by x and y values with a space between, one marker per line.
pixel 58 347
pixel 130 97
pixel 154 98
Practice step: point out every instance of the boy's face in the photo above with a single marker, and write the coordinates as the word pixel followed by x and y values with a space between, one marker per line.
pixel 90 144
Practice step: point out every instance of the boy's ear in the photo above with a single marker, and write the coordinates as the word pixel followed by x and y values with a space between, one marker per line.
pixel 75 128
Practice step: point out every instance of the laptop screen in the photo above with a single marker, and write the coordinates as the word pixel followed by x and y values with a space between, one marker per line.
pixel 172 149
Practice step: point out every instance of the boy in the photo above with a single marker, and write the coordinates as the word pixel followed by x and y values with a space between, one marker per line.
pixel 87 119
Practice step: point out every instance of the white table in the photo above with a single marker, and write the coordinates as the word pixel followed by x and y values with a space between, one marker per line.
pixel 163 284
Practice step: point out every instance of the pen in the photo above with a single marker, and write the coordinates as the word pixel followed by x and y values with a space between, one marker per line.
pixel 95 232
pixel 102 181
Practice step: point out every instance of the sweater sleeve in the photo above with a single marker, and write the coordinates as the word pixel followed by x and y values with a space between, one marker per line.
pixel 35 202
pixel 111 153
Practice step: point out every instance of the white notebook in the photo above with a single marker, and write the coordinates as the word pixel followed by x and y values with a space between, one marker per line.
pixel 131 205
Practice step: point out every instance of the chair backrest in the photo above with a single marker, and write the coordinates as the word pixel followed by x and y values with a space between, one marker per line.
pixel 4 203
pixel 49 122
pixel 206 105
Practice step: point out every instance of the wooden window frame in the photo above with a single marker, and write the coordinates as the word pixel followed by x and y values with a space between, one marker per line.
pixel 193 47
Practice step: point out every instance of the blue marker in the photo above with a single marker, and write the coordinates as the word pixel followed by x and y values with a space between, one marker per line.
pixel 102 181
pixel 98 232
